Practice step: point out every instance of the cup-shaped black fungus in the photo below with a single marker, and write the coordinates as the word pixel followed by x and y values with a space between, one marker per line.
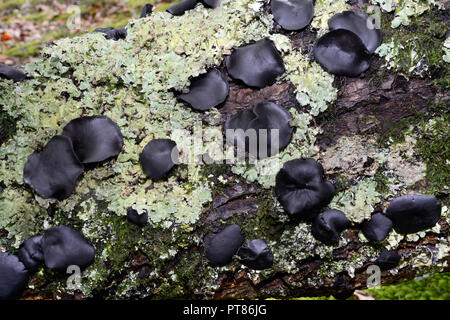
pixel 292 14
pixel 11 73
pixel 377 228
pixel 13 276
pixel 159 157
pixel 53 173
pixel 146 10
pixel 138 219
pixel 94 138
pixel 221 247
pixel 261 132
pixel 388 260
pixel 414 213
pixel 212 3
pixel 327 226
pixel 207 91
pixel 301 189
pixel 180 8
pixel 31 254
pixel 342 52
pixel 256 255
pixel 111 33
pixel 63 246
pixel 357 23
pixel 257 65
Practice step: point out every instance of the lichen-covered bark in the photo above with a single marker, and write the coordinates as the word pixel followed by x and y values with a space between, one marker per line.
pixel 368 132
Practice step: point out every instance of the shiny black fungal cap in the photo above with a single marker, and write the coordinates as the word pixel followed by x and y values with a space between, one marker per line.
pixel 414 213
pixel 256 255
pixel 388 260
pixel 30 253
pixel 159 157
pixel 220 247
pixel 300 188
pixel 138 219
pixel 63 246
pixel 264 116
pixel 111 33
pixel 146 10
pixel 53 173
pixel 257 65
pixel 181 7
pixel 13 276
pixel 342 52
pixel 357 23
pixel 377 228
pixel 11 73
pixel 94 138
pixel 292 14
pixel 328 225
pixel 207 91
pixel 212 3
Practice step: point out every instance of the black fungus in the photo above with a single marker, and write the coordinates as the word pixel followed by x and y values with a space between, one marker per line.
pixel 257 65
pixel 11 73
pixel 181 7
pixel 301 189
pixel 259 126
pixel 377 228
pixel 256 255
pixel 292 14
pixel 63 246
pixel 138 219
pixel 328 225
pixel 146 10
pixel 342 52
pixel 94 138
pixel 53 172
pixel 414 213
pixel 207 91
pixel 111 33
pixel 159 157
pixel 30 253
pixel 388 260
pixel 357 23
pixel 212 3
pixel 13 276
pixel 220 247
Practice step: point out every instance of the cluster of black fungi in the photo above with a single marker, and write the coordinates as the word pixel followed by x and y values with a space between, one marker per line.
pixel 300 185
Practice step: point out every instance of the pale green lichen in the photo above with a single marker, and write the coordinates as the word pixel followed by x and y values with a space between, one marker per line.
pixel 446 49
pixel 324 10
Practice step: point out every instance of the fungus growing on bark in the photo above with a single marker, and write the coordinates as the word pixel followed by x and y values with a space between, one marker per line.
pixel 301 189
pixel 54 171
pixel 256 255
pixel 146 10
pixel 328 225
pixel 261 131
pixel 357 23
pixel 94 138
pixel 138 219
pixel 388 260
pixel 111 33
pixel 377 228
pixel 207 91
pixel 30 253
pixel 180 8
pixel 11 73
pixel 13 276
pixel 159 157
pixel 292 14
pixel 342 52
pixel 257 65
pixel 63 246
pixel 414 213
pixel 220 247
